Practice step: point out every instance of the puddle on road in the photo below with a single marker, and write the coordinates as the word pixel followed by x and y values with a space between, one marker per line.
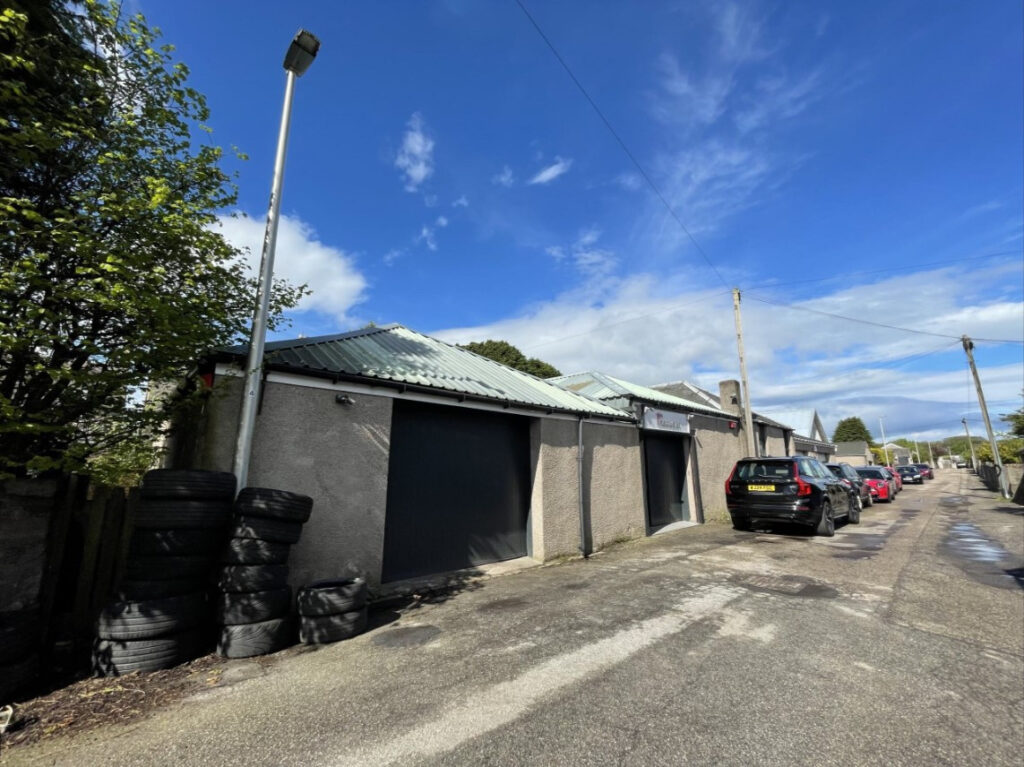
pixel 500 605
pixel 983 558
pixel 407 636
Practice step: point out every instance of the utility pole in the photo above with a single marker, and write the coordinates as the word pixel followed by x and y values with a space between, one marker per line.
pixel 917 452
pixel 748 419
pixel 974 458
pixel 1004 485
pixel 884 443
pixel 931 458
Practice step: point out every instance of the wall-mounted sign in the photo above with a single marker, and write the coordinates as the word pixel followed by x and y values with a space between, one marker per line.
pixel 666 420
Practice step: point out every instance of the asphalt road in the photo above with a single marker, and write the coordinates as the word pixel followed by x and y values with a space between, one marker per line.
pixel 900 641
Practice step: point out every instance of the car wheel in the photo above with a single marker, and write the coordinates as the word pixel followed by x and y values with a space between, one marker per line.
pixel 869 501
pixel 854 516
pixel 740 523
pixel 827 523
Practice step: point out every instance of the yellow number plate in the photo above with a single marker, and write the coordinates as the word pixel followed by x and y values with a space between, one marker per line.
pixel 761 488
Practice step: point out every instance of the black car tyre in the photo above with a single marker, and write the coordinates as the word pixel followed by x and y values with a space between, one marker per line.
pixel 134 591
pixel 185 514
pixel 254 607
pixel 249 639
pixel 740 523
pixel 853 516
pixel 167 568
pixel 325 629
pixel 151 618
pixel 332 597
pixel 273 504
pixel 244 578
pixel 274 530
pixel 188 483
pixel 19 634
pixel 252 551
pixel 115 657
pixel 827 523
pixel 869 501
pixel 173 543
pixel 16 678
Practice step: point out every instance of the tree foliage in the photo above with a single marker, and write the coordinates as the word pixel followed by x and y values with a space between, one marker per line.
pixel 507 354
pixel 112 273
pixel 852 430
pixel 1016 421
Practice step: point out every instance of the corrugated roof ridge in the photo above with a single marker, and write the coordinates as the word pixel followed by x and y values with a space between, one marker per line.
pixel 292 343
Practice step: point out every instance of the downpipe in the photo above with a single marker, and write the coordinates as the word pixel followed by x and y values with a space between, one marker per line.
pixel 579 484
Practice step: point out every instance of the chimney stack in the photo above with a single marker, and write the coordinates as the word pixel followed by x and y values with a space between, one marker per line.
pixel 729 396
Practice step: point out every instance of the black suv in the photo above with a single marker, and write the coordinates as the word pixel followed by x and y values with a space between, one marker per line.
pixel 860 493
pixel 796 489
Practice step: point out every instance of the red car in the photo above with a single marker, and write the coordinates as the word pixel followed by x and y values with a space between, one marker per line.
pixel 897 480
pixel 878 481
pixel 926 470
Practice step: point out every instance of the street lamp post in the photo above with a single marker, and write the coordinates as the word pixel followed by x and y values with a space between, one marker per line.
pixel 297 60
pixel 885 447
pixel 970 442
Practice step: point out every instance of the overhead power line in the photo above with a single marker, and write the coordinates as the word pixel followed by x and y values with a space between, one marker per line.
pixel 842 275
pixel 878 324
pixel 618 138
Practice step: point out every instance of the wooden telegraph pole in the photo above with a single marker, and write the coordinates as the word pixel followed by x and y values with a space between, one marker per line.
pixel 748 420
pixel 1004 485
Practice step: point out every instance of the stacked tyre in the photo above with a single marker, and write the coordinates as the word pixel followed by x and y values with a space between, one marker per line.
pixel 253 603
pixel 332 610
pixel 162 606
pixel 19 662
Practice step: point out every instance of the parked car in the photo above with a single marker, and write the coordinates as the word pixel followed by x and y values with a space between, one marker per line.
pixel 961 464
pixel 926 470
pixel 795 489
pixel 910 474
pixel 879 482
pixel 897 480
pixel 860 493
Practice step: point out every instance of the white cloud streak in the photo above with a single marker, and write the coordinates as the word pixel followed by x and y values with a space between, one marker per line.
pixel 546 175
pixel 506 178
pixel 416 157
pixel 300 257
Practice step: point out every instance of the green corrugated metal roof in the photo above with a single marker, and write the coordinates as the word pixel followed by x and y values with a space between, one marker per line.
pixel 395 353
pixel 605 387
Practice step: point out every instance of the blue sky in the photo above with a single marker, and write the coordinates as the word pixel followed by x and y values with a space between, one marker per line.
pixel 444 172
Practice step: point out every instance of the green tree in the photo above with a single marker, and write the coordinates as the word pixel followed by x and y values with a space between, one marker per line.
pixel 507 354
pixel 1009 450
pixel 852 430
pixel 112 273
pixel 1016 421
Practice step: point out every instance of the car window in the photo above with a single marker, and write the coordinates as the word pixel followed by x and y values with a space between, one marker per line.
pixel 777 470
pixel 805 468
pixel 836 470
pixel 850 473
pixel 822 471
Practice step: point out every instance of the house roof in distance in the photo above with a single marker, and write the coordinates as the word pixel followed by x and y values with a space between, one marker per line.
pixel 607 388
pixel 394 354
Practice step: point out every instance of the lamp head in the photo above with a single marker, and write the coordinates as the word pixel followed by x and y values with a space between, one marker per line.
pixel 301 52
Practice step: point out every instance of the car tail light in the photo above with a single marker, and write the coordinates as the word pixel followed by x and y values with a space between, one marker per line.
pixel 803 488
pixel 729 481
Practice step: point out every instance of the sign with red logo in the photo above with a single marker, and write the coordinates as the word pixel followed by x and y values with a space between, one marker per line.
pixel 666 420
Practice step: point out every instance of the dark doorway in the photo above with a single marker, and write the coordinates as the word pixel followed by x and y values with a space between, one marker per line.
pixel 458 489
pixel 665 459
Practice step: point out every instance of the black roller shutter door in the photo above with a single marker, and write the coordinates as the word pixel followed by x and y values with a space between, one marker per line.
pixel 458 489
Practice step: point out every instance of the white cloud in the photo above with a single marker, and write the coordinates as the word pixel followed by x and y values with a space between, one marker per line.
pixel 393 255
pixel 441 221
pixel 461 202
pixel 416 157
pixel 506 178
pixel 590 261
pixel 551 172
pixel 426 236
pixel 300 257
pixel 647 330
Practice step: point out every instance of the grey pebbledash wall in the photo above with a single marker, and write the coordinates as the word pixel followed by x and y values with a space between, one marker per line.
pixel 306 442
